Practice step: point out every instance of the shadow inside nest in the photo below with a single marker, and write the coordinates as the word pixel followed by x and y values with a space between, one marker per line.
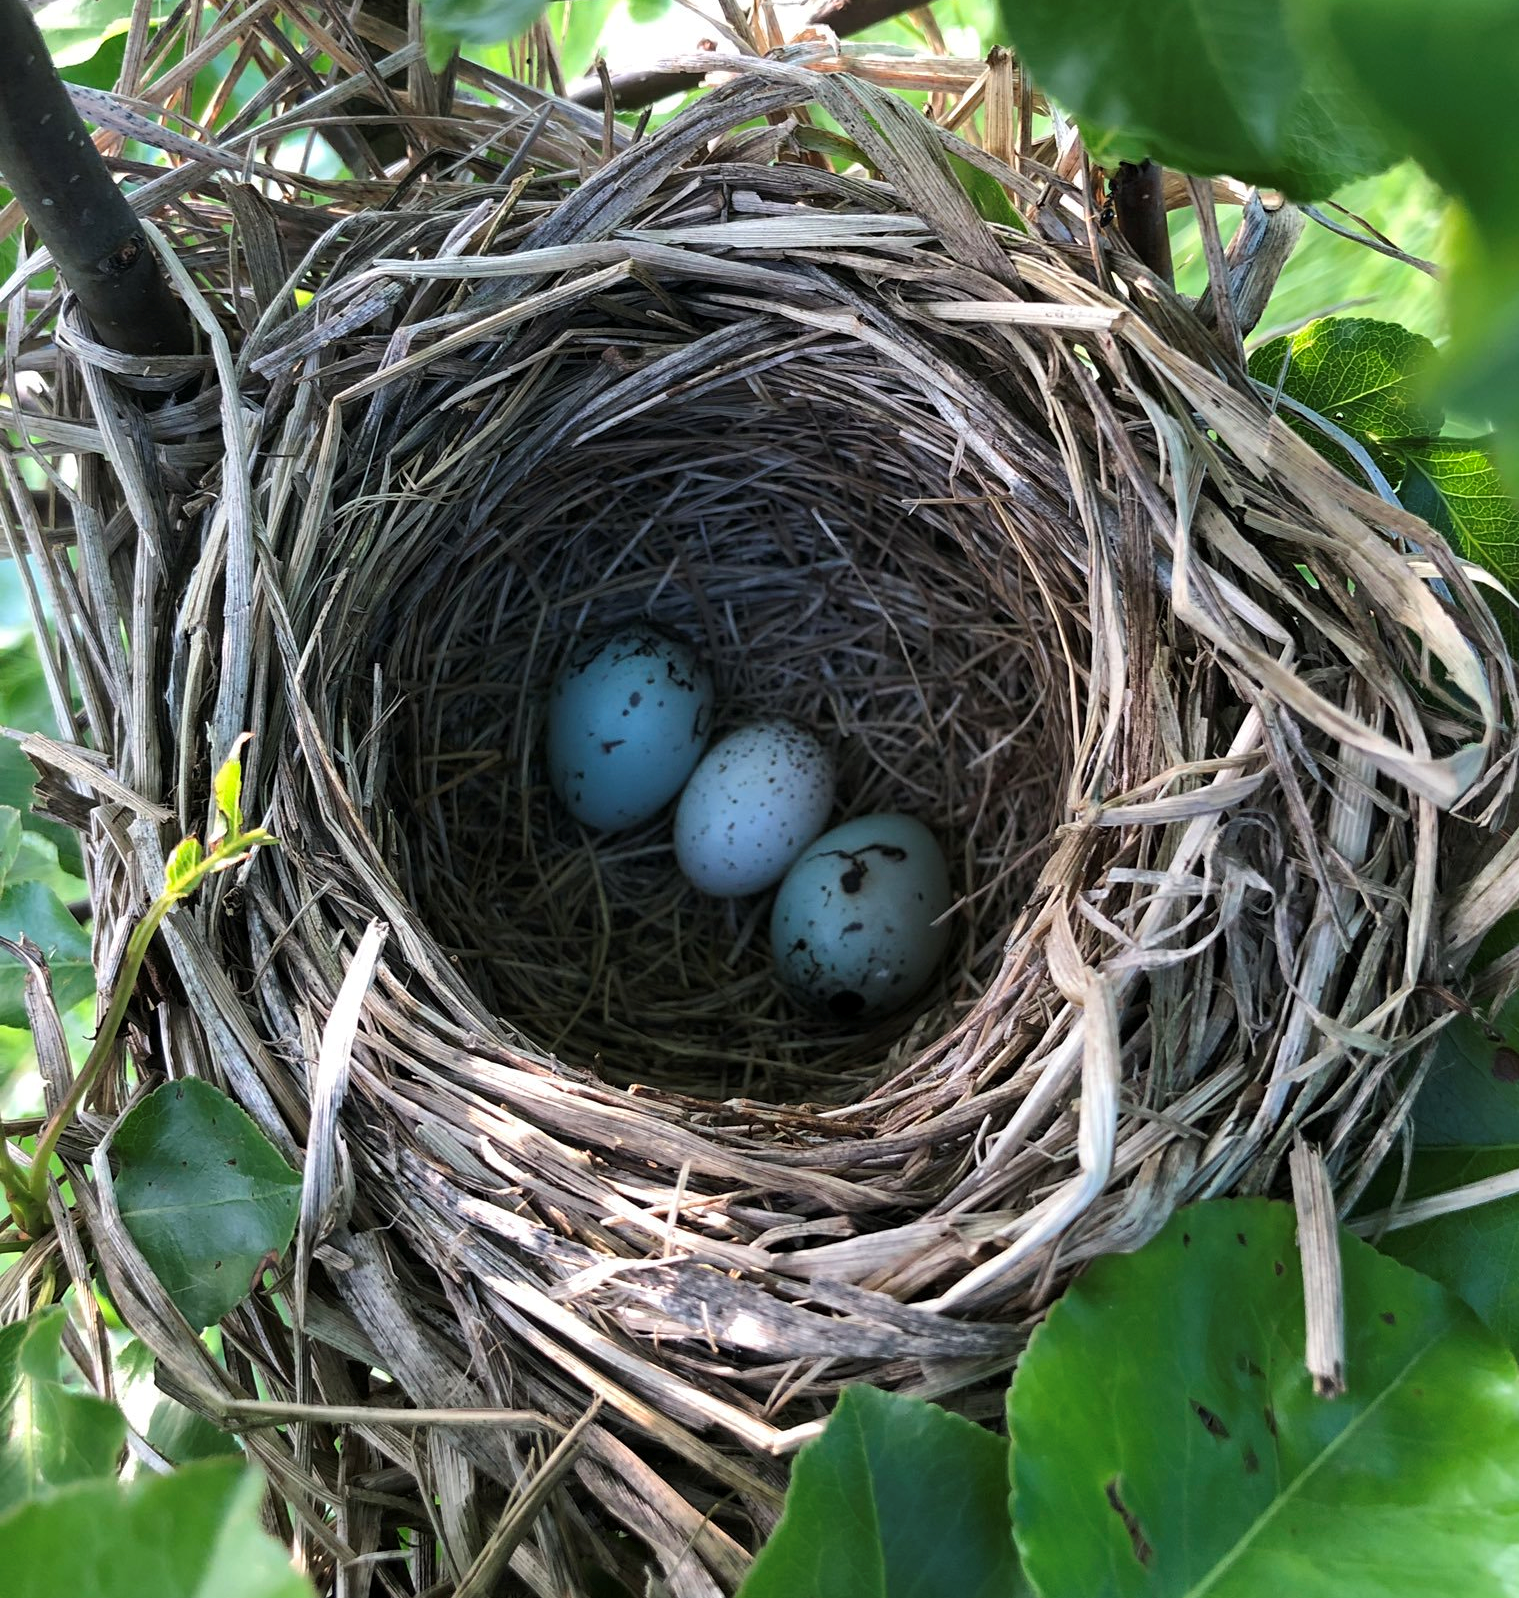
pixel 827 577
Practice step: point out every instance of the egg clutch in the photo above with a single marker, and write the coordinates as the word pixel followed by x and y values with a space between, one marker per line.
pixel 856 930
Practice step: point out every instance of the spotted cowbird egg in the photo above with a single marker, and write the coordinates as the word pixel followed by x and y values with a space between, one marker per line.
pixel 853 930
pixel 629 716
pixel 757 799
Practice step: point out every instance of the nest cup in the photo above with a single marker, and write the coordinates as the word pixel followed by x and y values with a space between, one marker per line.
pixel 807 532
pixel 1193 715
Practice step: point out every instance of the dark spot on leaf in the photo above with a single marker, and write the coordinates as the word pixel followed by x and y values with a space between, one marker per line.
pixel 1186 1240
pixel 1142 1550
pixel 1211 1422
pixel 1506 1064
pixel 1252 1461
pixel 1254 1369
pixel 1278 1267
pixel 1270 1420
pixel 1239 1238
pixel 217 1266
pixel 1389 1317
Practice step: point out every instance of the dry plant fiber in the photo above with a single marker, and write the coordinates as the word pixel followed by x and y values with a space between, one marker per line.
pixel 1205 728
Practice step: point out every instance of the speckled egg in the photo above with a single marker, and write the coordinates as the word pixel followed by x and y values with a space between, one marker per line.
pixel 757 799
pixel 629 716
pixel 853 931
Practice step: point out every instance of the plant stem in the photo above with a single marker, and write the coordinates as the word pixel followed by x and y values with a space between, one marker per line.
pixel 66 190
pixel 105 1041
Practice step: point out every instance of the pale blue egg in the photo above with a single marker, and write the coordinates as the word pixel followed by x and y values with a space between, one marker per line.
pixel 757 799
pixel 629 716
pixel 853 930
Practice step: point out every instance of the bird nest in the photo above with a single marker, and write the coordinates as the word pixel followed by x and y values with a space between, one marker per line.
pixel 987 507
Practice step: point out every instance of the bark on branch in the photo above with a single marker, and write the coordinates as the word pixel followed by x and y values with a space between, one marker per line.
pixel 1139 204
pixel 60 180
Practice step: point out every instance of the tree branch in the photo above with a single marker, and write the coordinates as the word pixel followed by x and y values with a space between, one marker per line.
pixel 1255 257
pixel 1139 204
pixel 62 183
pixel 632 91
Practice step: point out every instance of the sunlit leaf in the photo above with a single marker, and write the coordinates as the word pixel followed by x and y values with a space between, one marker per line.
pixel 1369 378
pixel 1454 485
pixel 1441 79
pixel 182 864
pixel 228 787
pixel 1168 1442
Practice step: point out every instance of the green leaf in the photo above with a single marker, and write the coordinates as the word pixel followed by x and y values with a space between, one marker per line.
pixel 74 29
pixel 50 1434
pixel 228 787
pixel 182 864
pixel 1454 485
pixel 1470 1095
pixel 899 1498
pixel 1466 1128
pixel 30 908
pixel 987 194
pixel 644 12
pixel 1205 86
pixel 204 1195
pixel 1473 1252
pixel 194 1533
pixel 24 699
pixel 10 840
pixel 37 861
pixel 1368 378
pixel 18 787
pixel 582 22
pixel 182 1436
pixel 1441 79
pixel 450 23
pixel 1167 1439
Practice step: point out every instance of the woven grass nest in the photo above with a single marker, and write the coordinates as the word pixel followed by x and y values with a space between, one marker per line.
pixel 1206 730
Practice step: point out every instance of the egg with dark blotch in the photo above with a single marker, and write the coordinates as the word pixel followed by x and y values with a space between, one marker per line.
pixel 629 715
pixel 757 799
pixel 853 932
